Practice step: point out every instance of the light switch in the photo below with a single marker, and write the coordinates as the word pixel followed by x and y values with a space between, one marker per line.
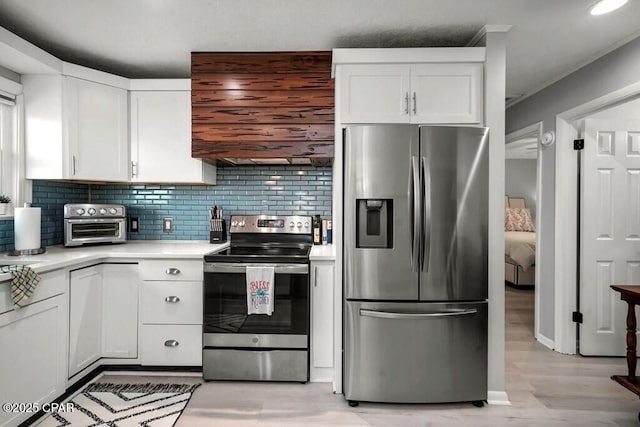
pixel 134 224
pixel 167 225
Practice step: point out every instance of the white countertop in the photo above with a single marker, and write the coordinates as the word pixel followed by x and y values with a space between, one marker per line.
pixel 59 256
pixel 323 253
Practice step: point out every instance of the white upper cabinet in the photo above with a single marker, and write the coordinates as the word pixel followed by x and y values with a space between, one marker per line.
pixel 97 130
pixel 161 140
pixel 75 129
pixel 428 93
pixel 375 93
pixel 446 93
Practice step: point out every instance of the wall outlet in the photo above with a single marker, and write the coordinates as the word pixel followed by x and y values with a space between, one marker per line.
pixel 134 224
pixel 167 225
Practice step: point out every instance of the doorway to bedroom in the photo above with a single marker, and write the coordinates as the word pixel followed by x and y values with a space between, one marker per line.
pixel 521 225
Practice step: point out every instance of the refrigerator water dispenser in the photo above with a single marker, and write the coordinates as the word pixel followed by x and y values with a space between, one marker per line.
pixel 374 223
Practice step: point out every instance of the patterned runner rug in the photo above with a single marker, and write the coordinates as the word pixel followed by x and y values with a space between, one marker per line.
pixel 124 405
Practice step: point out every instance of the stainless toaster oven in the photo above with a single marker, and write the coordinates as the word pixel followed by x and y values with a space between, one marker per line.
pixel 89 223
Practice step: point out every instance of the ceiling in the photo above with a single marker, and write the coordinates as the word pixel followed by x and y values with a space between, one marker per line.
pixel 154 38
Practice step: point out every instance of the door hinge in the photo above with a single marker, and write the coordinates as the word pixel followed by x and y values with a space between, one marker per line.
pixel 578 144
pixel 577 317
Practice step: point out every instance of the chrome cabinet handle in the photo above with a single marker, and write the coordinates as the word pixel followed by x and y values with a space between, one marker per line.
pixel 134 169
pixel 172 271
pixel 415 108
pixel 172 299
pixel 171 343
pixel 406 103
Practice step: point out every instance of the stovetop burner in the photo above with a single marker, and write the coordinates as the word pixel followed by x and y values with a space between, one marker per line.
pixel 267 239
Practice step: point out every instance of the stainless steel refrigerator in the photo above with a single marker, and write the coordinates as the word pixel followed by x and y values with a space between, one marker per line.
pixel 415 263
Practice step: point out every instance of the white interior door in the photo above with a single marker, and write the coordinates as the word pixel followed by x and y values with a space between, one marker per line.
pixel 610 231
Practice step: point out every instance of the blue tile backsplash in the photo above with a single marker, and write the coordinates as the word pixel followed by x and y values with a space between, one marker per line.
pixel 51 197
pixel 240 190
pixel 6 235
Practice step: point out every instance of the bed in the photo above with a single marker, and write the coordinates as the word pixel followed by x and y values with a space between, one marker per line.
pixel 520 243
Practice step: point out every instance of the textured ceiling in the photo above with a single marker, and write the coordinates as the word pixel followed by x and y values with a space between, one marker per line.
pixel 154 38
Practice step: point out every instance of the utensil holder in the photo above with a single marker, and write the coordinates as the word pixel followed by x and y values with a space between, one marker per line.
pixel 218 233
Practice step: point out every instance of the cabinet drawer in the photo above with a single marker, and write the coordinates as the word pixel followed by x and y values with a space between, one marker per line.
pixel 168 269
pixel 51 284
pixel 179 345
pixel 176 302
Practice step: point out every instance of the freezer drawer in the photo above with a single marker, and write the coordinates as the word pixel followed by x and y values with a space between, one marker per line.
pixel 415 352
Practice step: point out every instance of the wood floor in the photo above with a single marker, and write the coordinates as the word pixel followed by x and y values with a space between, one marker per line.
pixel 544 387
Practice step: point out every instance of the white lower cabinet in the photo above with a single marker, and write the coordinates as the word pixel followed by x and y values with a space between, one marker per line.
pixel 322 281
pixel 103 314
pixel 85 318
pixel 171 312
pixel 33 350
pixel 178 345
pixel 120 287
pixel 168 303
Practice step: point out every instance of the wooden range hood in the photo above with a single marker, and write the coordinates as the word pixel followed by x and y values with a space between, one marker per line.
pixel 252 108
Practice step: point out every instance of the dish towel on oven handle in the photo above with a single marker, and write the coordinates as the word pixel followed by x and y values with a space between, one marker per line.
pixel 260 290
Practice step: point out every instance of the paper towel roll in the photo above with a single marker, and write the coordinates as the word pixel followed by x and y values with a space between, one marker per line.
pixel 27 228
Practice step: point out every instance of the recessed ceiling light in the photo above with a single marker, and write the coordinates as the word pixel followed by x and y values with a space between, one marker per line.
pixel 606 6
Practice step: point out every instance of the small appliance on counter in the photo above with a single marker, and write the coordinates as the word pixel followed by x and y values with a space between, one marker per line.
pixel 217 226
pixel 89 223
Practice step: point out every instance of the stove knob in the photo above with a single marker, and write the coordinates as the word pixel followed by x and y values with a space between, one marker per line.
pixel 291 224
pixel 103 211
pixel 299 225
pixel 80 211
pixel 234 223
pixel 113 211
pixel 242 224
pixel 91 211
pixel 306 224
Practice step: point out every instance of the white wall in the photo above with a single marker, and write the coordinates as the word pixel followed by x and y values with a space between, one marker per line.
pixel 614 71
pixel 520 181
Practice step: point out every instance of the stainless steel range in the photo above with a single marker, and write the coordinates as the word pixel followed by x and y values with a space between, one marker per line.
pixel 259 347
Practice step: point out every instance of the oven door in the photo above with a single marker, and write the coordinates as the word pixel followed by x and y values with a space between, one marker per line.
pixel 94 230
pixel 226 322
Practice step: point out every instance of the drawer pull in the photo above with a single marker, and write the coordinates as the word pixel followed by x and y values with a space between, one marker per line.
pixel 172 271
pixel 171 343
pixel 172 299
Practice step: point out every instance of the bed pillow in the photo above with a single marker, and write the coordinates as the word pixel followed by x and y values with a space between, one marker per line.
pixel 518 219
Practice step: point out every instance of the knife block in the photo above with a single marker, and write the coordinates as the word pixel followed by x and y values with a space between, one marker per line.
pixel 219 232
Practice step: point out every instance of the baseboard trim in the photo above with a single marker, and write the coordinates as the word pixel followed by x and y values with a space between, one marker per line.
pixel 498 398
pixel 546 341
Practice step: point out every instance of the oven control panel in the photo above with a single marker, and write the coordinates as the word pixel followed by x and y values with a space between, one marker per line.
pixel 271 224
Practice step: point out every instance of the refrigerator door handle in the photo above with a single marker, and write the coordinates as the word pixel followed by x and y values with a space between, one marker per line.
pixel 396 315
pixel 426 226
pixel 414 212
